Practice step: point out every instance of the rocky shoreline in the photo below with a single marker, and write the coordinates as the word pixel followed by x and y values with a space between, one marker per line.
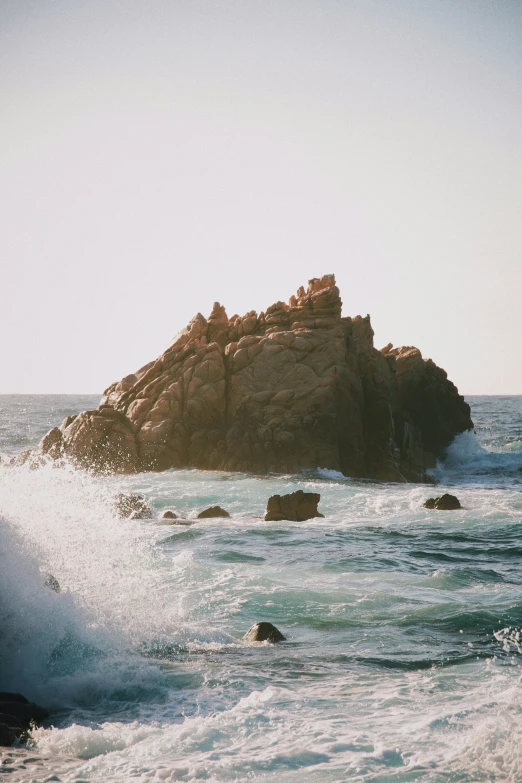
pixel 295 387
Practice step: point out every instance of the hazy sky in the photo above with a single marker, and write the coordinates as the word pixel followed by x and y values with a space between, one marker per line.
pixel 158 155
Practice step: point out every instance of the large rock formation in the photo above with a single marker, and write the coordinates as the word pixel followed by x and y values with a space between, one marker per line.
pixel 295 387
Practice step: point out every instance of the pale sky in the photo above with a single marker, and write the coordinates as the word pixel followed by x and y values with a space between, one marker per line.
pixel 158 155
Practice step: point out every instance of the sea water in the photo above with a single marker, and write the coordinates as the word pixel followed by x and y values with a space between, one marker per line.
pixel 403 651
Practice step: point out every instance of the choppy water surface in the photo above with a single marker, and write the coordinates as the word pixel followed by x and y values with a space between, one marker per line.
pixel 403 654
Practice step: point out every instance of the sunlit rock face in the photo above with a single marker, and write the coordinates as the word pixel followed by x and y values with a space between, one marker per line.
pixel 295 387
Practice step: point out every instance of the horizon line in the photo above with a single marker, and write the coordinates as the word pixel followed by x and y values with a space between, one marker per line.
pixel 100 394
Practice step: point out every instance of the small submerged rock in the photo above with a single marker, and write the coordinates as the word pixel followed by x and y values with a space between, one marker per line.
pixel 445 502
pixel 169 515
pixel 264 632
pixel 53 583
pixel 182 522
pixel 294 507
pixel 213 512
pixel 131 506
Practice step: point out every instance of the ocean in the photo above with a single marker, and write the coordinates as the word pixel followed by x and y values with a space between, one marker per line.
pixel 403 652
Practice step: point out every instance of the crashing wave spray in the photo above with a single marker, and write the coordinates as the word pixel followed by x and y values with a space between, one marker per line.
pixel 63 522
pixel 467 460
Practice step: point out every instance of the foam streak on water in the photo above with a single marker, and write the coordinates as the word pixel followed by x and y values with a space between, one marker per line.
pixel 403 654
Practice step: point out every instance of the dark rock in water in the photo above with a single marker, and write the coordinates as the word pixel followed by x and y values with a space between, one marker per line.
pixel 17 697
pixel 264 632
pixel 447 502
pixel 131 506
pixel 213 511
pixel 295 507
pixel 443 503
pixel 8 735
pixel 26 714
pixel 297 386
pixel 10 720
pixel 17 714
pixel 169 515
pixel 53 583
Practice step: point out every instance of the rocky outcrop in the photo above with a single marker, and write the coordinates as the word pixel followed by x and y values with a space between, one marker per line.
pixel 264 632
pixel 432 403
pixel 445 502
pixel 295 507
pixel 214 512
pixel 100 440
pixel 295 387
pixel 17 715
pixel 131 506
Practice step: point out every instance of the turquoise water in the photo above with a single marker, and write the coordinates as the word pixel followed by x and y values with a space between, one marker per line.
pixel 403 654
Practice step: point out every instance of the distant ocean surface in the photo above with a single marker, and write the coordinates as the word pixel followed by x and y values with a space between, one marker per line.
pixel 403 659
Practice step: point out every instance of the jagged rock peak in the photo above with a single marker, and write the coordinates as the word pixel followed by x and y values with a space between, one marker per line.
pixel 318 284
pixel 318 307
pixel 218 314
pixel 321 294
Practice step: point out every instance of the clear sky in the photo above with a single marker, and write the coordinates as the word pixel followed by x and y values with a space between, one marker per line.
pixel 158 155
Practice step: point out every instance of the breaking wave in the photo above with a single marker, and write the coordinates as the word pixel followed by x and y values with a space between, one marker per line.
pixel 468 460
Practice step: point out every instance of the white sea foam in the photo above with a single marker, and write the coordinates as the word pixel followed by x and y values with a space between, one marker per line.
pixel 360 728
pixel 335 475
